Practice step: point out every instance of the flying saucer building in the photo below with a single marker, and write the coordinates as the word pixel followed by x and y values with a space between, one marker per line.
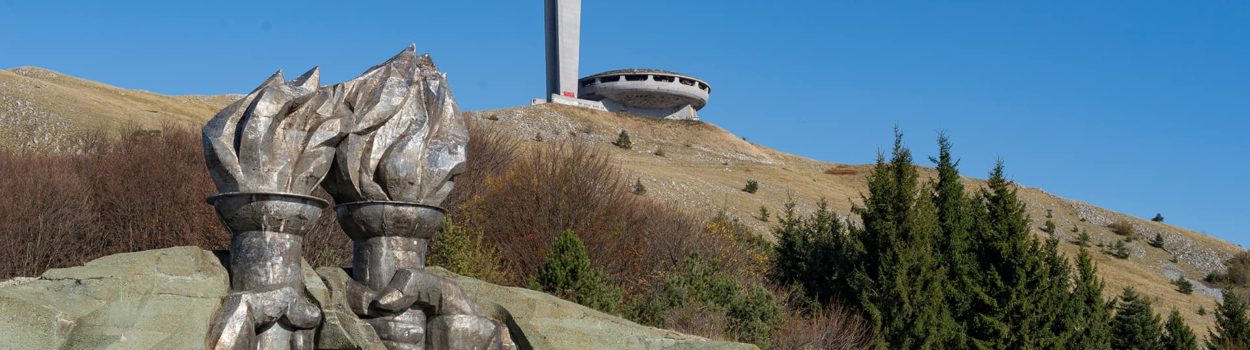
pixel 648 92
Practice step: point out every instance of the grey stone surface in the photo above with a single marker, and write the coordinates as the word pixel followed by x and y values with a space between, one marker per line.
pixel 541 321
pixel 159 299
pixel 162 299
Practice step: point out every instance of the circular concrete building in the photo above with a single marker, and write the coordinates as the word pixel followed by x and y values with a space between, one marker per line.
pixel 646 91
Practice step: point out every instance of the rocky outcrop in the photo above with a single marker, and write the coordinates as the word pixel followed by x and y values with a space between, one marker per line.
pixel 163 299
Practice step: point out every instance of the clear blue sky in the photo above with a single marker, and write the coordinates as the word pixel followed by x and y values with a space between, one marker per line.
pixel 1138 106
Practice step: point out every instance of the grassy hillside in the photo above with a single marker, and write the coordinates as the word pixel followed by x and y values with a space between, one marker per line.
pixel 702 167
pixel 44 110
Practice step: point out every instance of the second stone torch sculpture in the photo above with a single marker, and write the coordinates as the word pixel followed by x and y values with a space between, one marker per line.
pixel 267 153
pixel 390 174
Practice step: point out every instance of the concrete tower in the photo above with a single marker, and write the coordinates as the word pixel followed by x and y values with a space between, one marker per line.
pixel 564 26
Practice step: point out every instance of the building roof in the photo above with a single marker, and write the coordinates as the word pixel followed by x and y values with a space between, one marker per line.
pixel 642 71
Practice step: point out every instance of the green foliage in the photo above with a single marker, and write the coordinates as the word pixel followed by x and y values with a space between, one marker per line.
pixel 1119 250
pixel 1083 239
pixel 1157 242
pixel 1022 279
pixel 956 214
pixel 622 140
pixel 1158 217
pixel 1177 335
pixel 751 186
pixel 1135 325
pixel 808 251
pixel 1089 316
pixel 463 250
pixel 567 273
pixel 1232 328
pixel 763 214
pixel 753 316
pixel 892 271
pixel 1183 285
pixel 752 312
pixel 1049 227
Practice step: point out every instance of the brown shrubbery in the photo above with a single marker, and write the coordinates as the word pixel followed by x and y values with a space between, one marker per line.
pixel 147 191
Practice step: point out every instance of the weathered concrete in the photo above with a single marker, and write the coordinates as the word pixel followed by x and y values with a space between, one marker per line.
pixel 647 92
pixel 563 27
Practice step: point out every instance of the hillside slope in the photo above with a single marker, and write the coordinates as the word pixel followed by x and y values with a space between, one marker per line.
pixel 43 110
pixel 703 168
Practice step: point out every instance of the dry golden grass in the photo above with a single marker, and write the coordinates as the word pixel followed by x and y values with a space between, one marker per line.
pixel 83 106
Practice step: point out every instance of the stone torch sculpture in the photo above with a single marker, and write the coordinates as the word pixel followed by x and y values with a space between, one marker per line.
pixel 267 153
pixel 390 174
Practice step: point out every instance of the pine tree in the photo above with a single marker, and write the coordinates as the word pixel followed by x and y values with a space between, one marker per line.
pixel 1049 227
pixel 1157 242
pixel 1090 314
pixel 1232 328
pixel 1183 285
pixel 1158 217
pixel 1021 279
pixel 1177 335
pixel 1083 239
pixel 622 140
pixel 896 279
pixel 956 213
pixel 1135 325
pixel 567 273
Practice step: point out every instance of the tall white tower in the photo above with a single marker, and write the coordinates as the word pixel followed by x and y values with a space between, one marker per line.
pixel 564 26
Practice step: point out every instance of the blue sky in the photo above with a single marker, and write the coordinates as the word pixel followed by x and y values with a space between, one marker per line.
pixel 1138 106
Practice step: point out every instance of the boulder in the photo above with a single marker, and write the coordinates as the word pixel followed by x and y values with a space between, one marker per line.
pixel 537 320
pixel 158 299
pixel 164 299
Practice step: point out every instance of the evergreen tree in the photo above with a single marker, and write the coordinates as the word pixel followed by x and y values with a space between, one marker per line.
pixel 956 213
pixel 1083 239
pixel 1158 217
pixel 567 273
pixel 1021 280
pixel 622 140
pixel 1177 335
pixel 1049 227
pixel 1135 325
pixel 1183 285
pixel 1090 315
pixel 896 279
pixel 809 252
pixel 1157 242
pixel 1232 328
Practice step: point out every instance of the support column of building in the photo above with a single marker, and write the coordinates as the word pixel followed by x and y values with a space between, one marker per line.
pixel 563 27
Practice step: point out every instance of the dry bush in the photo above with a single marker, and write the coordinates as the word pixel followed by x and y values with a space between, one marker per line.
pixel 837 171
pixel 523 197
pixel 145 190
pixel 696 319
pixel 833 328
pixel 1123 228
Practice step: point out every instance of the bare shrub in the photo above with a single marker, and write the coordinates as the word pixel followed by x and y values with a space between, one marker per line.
pixel 142 191
pixel 1123 228
pixel 833 328
pixel 523 197
pixel 838 171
